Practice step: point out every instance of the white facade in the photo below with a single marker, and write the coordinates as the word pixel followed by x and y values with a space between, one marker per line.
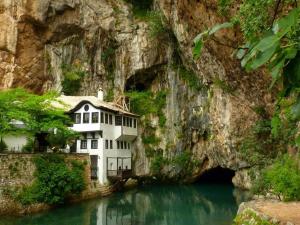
pixel 106 135
pixel 15 143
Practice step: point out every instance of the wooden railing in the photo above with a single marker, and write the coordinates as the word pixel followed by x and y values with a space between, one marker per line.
pixel 120 174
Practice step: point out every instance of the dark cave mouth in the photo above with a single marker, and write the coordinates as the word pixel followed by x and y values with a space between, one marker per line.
pixel 217 175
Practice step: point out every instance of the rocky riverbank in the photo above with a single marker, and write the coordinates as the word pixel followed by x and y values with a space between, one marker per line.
pixel 268 212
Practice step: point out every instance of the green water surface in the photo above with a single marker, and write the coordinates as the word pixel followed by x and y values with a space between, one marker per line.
pixel 205 204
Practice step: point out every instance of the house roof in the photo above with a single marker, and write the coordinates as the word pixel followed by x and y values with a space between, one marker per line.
pixel 73 103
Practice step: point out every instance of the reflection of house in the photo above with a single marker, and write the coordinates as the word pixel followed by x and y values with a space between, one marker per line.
pixel 107 132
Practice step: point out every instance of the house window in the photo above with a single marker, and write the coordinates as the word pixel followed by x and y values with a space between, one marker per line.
pixel 118 120
pixel 95 117
pixel 125 145
pixel 124 121
pixel 77 118
pixel 130 122
pixel 106 118
pixel 128 145
pixel 134 123
pixel 94 144
pixel 110 119
pixel 86 117
pixel 121 144
pixel 111 144
pixel 93 134
pixel 86 108
pixel 102 117
pixel 106 144
pixel 118 144
pixel 127 121
pixel 101 133
pixel 83 144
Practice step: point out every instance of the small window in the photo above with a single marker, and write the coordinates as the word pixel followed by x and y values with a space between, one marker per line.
pixel 121 144
pixel 128 145
pixel 101 133
pixel 86 108
pixel 125 145
pixel 111 144
pixel 83 144
pixel 118 120
pixel 102 117
pixel 130 122
pixel 124 121
pixel 134 123
pixel 77 118
pixel 93 134
pixel 86 117
pixel 95 117
pixel 110 119
pixel 106 144
pixel 94 144
pixel 106 118
pixel 118 144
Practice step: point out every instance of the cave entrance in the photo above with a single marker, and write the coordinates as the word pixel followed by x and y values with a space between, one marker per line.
pixel 217 175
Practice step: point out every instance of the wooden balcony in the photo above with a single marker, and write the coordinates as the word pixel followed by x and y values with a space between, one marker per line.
pixel 119 174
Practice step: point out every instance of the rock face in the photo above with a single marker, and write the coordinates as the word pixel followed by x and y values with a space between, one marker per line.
pixel 118 52
pixel 269 212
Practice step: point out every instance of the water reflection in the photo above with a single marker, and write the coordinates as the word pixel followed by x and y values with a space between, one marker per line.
pixel 150 205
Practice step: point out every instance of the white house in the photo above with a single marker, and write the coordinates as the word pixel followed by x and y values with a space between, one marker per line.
pixel 16 142
pixel 107 133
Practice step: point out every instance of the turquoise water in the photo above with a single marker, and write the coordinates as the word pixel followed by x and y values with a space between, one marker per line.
pixel 205 204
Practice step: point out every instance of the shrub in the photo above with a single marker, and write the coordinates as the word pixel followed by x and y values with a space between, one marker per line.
pixel 29 146
pixel 282 179
pixel 3 145
pixel 72 77
pixel 157 163
pixel 55 181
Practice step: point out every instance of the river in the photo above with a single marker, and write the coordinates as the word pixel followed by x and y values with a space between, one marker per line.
pixel 205 204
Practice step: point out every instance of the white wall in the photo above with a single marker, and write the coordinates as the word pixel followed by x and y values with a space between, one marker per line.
pixel 15 142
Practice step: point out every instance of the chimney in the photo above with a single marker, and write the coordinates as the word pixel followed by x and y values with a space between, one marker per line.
pixel 100 94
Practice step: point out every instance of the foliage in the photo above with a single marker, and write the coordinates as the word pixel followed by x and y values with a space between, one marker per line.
pixel 29 146
pixel 72 78
pixel 54 182
pixel 281 179
pixel 140 7
pixel 146 103
pixel 110 95
pixel 157 163
pixel 156 26
pixel 60 139
pixel 3 145
pixel 223 6
pixel 249 217
pixel 190 77
pixel 223 85
pixel 266 139
pixel 201 38
pixel 35 111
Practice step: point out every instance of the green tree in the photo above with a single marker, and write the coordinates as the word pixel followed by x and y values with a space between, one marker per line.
pixel 36 112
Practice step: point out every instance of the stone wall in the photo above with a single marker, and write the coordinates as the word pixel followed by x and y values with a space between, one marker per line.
pixel 17 169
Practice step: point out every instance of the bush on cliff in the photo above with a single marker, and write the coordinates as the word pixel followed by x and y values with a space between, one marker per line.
pixel 281 179
pixel 55 181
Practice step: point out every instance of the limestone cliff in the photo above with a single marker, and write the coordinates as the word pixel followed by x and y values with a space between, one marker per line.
pixel 117 51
